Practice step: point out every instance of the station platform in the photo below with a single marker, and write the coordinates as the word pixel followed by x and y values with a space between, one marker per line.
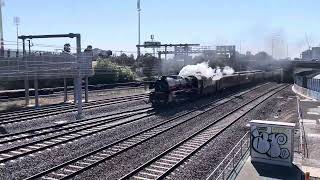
pixel 306 159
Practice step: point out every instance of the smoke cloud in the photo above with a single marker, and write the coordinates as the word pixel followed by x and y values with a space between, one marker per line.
pixel 203 69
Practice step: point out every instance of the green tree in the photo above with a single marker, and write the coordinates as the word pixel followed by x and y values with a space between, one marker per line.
pixel 67 48
pixel 123 60
pixel 88 49
pixel 151 66
pixel 109 72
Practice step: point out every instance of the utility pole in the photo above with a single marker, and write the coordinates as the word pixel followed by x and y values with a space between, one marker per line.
pixel 36 83
pixel 29 46
pixel 287 50
pixel 154 50
pixel 139 42
pixel 272 48
pixel 1 30
pixel 16 21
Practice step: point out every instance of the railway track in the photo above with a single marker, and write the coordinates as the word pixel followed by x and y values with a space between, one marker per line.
pixel 163 164
pixel 29 115
pixel 61 93
pixel 67 134
pixel 82 163
pixel 26 135
pixel 59 106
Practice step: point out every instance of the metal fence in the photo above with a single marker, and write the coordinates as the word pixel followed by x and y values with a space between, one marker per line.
pixel 45 66
pixel 308 83
pixel 307 86
pixel 229 164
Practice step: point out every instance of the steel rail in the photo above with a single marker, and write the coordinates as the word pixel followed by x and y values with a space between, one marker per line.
pixel 66 126
pixel 57 106
pixel 64 106
pixel 4 99
pixel 178 153
pixel 28 118
pixel 39 145
pixel 132 141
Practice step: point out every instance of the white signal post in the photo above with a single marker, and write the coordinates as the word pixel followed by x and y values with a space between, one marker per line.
pixel 16 21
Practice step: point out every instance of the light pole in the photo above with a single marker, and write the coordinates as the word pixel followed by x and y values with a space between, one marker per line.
pixel 29 46
pixel 272 47
pixel 1 29
pixel 139 11
pixel 16 21
pixel 240 47
pixel 152 39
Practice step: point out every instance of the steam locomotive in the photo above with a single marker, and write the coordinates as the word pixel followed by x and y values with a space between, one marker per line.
pixel 174 89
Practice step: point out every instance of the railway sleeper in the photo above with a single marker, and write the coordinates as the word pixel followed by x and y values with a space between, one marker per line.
pixel 173 157
pixel 155 170
pixel 141 178
pixel 33 146
pixel 176 154
pixel 152 175
pixel 163 163
pixel 191 146
pixel 159 167
pixel 90 160
pixel 168 160
pixel 83 163
pixel 68 170
pixel 76 167
pixel 181 152
pixel 187 148
pixel 48 178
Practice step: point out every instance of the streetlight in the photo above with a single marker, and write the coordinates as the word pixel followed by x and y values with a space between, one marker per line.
pixel 16 21
pixel 139 10
pixel 152 39
pixel 1 29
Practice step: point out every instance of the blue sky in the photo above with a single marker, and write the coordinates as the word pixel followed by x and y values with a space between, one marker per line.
pixel 112 24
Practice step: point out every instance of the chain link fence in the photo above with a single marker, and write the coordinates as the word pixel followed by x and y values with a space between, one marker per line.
pixel 45 66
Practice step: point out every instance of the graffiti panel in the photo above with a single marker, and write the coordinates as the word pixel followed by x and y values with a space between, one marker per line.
pixel 271 142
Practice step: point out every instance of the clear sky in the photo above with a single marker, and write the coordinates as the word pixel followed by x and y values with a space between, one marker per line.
pixel 112 24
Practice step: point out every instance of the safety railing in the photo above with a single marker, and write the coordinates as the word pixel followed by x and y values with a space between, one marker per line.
pixel 229 164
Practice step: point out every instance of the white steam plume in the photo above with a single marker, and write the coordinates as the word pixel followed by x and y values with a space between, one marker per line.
pixel 228 70
pixel 203 69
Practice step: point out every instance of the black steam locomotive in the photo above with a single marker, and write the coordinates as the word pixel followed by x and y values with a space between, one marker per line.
pixel 171 89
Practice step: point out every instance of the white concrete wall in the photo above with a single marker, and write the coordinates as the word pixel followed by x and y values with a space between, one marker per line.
pixel 307 92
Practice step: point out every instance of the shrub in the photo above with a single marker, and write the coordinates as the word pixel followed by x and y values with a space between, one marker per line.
pixel 109 72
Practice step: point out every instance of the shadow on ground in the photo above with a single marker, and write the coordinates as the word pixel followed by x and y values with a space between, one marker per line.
pixel 278 172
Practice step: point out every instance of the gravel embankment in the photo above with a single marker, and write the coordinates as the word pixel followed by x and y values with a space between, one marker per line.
pixel 30 165
pixel 147 150
pixel 127 161
pixel 280 107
